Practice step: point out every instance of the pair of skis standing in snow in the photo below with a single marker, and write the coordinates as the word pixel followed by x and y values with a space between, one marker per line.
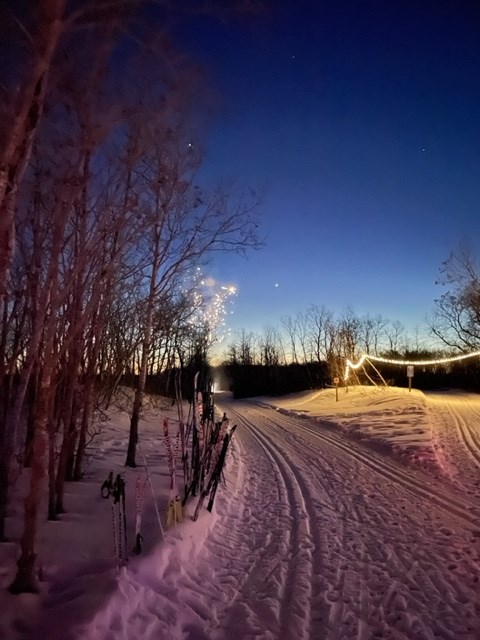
pixel 115 489
pixel 209 444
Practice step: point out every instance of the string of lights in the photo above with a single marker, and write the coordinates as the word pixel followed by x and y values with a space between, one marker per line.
pixel 420 363
pixel 211 300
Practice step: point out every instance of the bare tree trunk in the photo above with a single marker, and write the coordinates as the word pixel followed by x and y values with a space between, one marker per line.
pixel 69 454
pixel 8 444
pixel 51 514
pixel 66 451
pixel 5 401
pixel 74 353
pixel 89 387
pixel 4 480
pixel 32 398
pixel 4 386
pixel 25 580
pixel 86 417
pixel 18 146
pixel 146 345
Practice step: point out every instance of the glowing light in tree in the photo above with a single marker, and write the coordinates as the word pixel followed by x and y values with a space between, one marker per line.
pixel 212 301
pixel 421 363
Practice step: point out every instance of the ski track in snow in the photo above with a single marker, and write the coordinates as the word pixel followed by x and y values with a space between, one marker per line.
pixel 458 422
pixel 293 531
pixel 393 555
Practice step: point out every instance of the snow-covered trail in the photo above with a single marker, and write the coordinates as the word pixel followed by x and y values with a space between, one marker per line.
pixel 314 537
pixel 456 419
pixel 368 548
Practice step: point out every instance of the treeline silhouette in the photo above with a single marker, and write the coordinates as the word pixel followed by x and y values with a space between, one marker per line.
pixel 249 380
pixel 275 380
pixel 457 375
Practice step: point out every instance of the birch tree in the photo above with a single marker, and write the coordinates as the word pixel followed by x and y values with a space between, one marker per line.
pixel 93 206
pixel 183 226
pixel 67 288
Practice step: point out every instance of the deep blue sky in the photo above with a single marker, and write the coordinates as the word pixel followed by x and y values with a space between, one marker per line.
pixel 361 123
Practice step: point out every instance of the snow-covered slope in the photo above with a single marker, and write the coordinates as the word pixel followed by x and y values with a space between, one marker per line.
pixel 313 535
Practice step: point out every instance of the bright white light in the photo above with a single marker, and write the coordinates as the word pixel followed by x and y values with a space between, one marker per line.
pixel 210 300
pixel 420 363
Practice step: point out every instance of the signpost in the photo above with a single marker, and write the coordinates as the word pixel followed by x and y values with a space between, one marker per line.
pixel 410 376
pixel 336 381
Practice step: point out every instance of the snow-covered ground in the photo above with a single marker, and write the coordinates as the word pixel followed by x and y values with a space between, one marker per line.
pixel 351 519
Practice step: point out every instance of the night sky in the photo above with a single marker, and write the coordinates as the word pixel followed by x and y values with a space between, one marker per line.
pixel 360 122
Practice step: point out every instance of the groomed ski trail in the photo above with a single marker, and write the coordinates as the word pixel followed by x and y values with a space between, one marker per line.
pixel 314 537
pixel 396 553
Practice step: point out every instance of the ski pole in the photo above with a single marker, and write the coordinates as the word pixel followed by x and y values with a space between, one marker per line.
pixel 154 499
